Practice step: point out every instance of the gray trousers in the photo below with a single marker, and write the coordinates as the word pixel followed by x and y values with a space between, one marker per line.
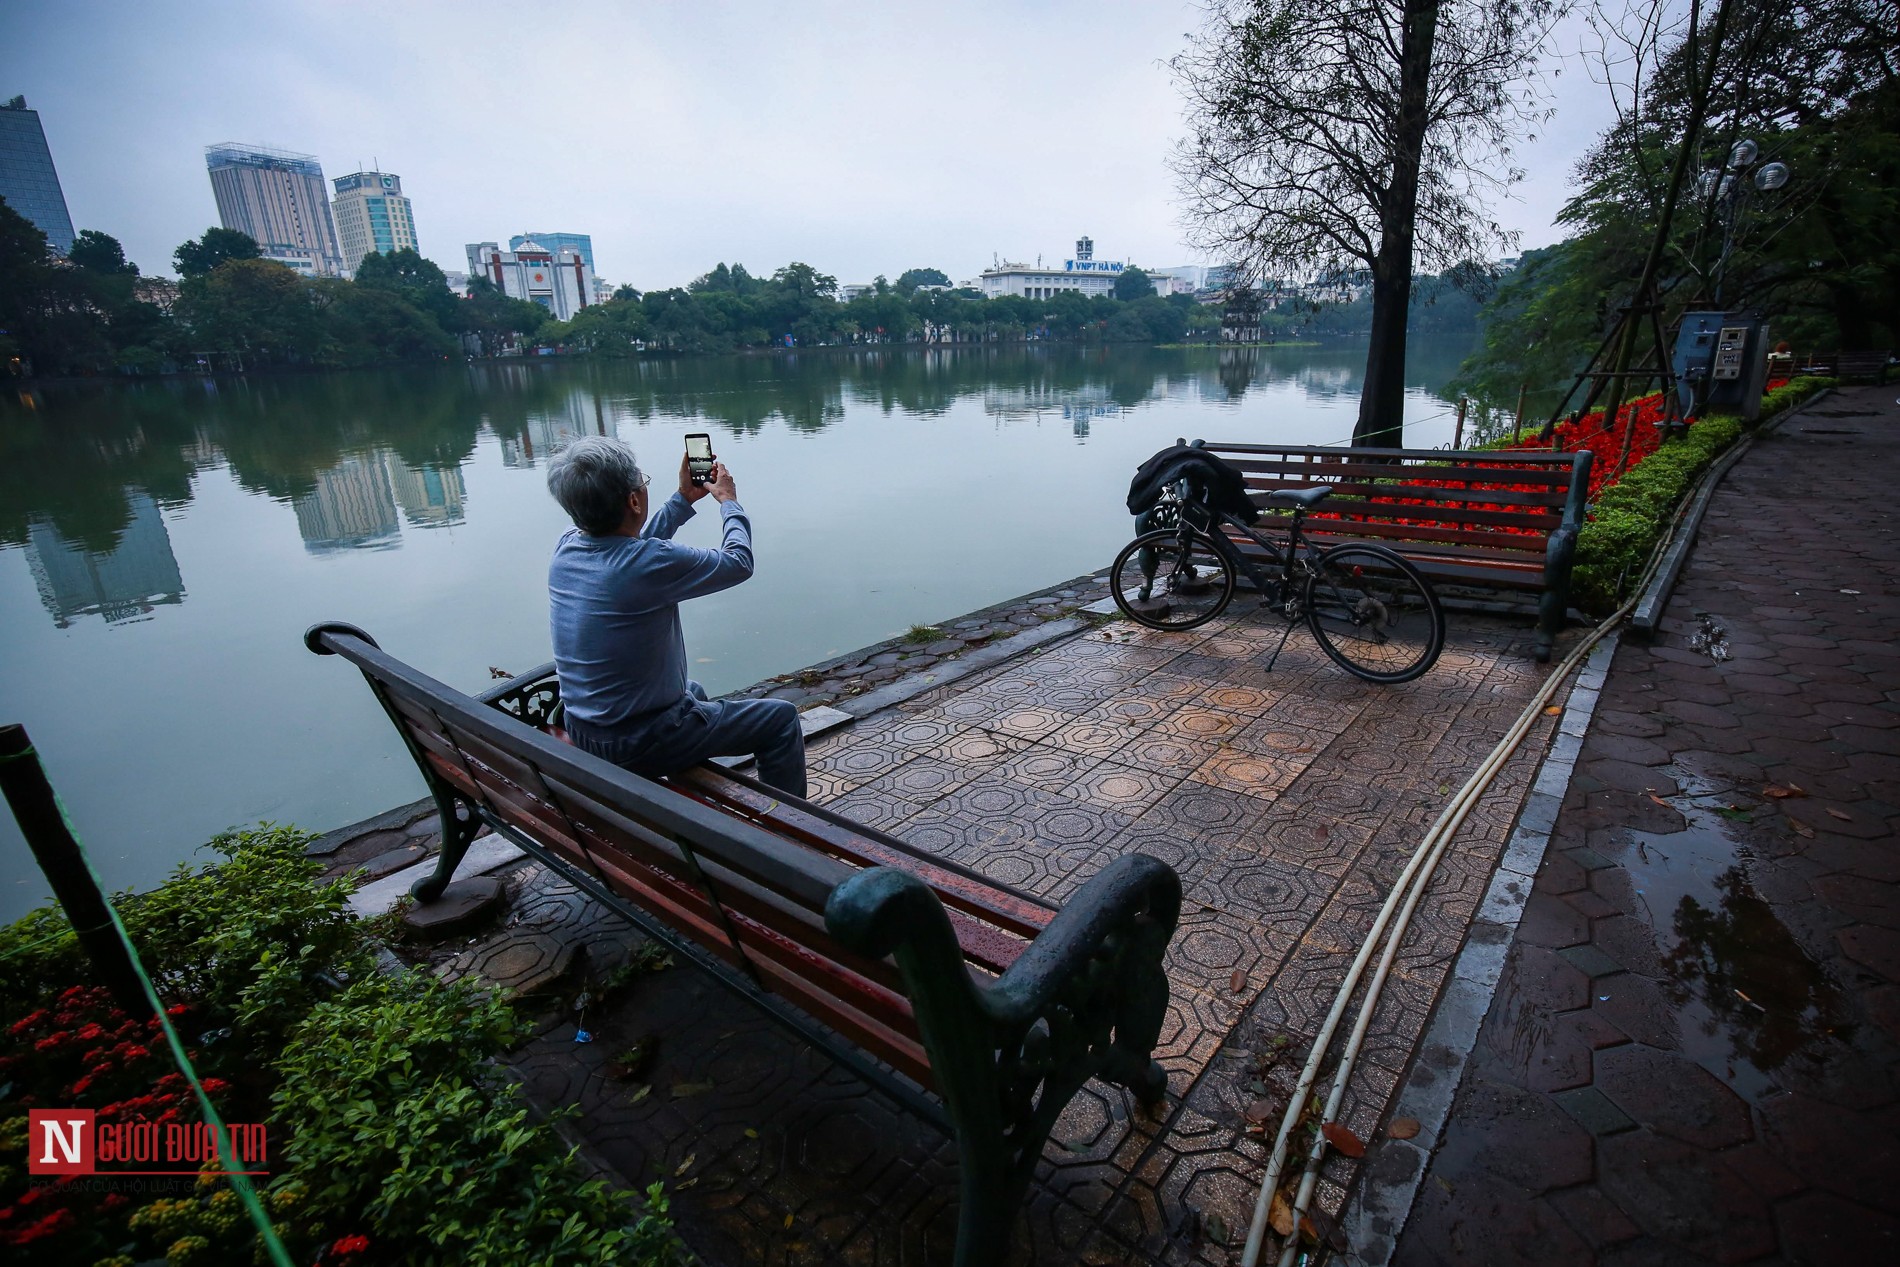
pixel 698 728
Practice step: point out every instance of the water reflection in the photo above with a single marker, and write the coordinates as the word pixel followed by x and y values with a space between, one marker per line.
pixel 123 582
pixel 87 471
pixel 1749 996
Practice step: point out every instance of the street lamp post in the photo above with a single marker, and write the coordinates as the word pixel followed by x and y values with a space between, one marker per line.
pixel 1729 187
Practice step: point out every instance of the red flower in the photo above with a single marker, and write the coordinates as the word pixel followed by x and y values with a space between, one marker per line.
pixel 355 1243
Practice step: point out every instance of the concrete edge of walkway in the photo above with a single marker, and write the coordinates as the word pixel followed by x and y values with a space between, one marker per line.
pixel 1649 610
pixel 969 662
pixel 1393 1169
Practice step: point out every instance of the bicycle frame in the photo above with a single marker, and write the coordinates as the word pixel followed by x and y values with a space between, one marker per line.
pixel 1283 559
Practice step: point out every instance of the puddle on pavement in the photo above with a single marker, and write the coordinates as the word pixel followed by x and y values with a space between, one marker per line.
pixel 1748 997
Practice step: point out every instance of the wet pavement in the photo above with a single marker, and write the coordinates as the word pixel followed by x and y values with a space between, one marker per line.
pixel 1694 1053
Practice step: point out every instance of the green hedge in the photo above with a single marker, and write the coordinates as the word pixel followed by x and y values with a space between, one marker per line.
pixel 1630 515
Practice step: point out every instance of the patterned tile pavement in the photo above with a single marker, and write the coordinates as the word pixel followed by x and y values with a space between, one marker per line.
pixel 1287 800
pixel 1694 1052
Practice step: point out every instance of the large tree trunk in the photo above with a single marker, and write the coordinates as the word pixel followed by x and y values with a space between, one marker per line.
pixel 1382 403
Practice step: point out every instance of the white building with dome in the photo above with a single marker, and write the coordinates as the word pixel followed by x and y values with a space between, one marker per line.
pixel 558 280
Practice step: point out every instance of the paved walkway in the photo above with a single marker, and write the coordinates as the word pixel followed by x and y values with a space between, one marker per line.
pixel 1695 1050
pixel 1287 800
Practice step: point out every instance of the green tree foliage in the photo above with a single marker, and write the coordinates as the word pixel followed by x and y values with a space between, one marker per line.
pixel 198 257
pixel 419 281
pixel 98 252
pixel 1816 84
pixel 494 318
pixel 1133 283
pixel 911 278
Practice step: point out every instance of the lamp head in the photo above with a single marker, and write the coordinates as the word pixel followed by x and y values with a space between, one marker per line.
pixel 1743 155
pixel 1772 176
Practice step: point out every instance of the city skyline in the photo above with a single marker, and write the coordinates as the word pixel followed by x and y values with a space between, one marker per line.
pixel 719 136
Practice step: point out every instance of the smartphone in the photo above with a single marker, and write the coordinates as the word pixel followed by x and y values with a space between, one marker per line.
pixel 699 457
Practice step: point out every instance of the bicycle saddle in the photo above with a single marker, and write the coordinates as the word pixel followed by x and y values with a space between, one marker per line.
pixel 1305 498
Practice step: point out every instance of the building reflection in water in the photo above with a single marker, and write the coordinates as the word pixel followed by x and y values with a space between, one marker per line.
pixel 430 496
pixel 121 584
pixel 579 413
pixel 351 508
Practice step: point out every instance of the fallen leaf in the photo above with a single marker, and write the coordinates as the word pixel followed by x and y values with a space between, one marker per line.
pixel 1238 981
pixel 1660 801
pixel 686 1165
pixel 1801 828
pixel 750 1133
pixel 1843 815
pixel 1216 1229
pixel 1342 1138
pixel 689 1183
pixel 1780 793
pixel 1259 1110
pixel 788 1221
pixel 1280 1215
pixel 641 1094
pixel 1322 831
pixel 1553 710
pixel 1402 1128
pixel 683 1089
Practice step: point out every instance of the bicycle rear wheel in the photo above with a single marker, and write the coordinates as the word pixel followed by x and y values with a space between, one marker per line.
pixel 1373 613
pixel 1164 581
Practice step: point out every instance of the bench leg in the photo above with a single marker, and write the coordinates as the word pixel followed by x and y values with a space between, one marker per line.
pixel 1554 605
pixel 459 826
pixel 1088 999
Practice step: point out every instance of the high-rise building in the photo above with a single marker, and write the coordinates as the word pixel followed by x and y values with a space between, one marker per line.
pixel 352 507
pixel 280 200
pixel 580 243
pixel 559 281
pixel 372 215
pixel 28 180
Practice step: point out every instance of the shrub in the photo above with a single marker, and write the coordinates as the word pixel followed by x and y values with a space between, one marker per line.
pixel 394 1115
pixel 1630 516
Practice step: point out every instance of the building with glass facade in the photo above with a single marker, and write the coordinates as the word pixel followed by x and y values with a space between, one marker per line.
pixel 28 180
pixel 280 200
pixel 372 215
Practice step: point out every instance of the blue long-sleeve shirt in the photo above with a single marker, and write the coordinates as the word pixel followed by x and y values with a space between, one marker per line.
pixel 613 605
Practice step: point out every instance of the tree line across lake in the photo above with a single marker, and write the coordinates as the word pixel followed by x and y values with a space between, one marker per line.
pixel 92 313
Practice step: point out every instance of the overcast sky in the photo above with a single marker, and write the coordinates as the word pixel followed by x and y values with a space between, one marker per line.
pixel 861 138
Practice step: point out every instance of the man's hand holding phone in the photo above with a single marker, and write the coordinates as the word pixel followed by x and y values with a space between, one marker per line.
pixel 691 489
pixel 722 487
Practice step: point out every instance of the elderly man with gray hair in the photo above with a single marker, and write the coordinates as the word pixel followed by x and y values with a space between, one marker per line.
pixel 614 590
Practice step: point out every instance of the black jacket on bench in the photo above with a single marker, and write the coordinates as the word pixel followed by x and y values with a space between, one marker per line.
pixel 1226 489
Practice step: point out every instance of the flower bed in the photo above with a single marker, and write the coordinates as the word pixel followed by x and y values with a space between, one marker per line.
pixel 391 1137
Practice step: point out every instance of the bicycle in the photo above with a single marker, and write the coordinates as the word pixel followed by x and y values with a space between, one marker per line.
pixel 1368 608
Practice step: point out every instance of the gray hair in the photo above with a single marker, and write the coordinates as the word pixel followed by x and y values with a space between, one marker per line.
pixel 591 478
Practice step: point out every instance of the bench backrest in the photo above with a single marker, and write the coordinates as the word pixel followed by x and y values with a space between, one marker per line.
pixel 1453 512
pixel 741 871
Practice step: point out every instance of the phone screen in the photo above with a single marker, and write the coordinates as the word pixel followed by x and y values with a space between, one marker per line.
pixel 699 456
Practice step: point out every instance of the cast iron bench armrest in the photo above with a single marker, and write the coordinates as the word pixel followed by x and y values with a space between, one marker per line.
pixel 1087 999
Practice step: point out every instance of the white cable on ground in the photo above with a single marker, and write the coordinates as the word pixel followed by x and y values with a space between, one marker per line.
pixel 1403 901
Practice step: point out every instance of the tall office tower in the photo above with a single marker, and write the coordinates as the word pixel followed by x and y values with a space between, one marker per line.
pixel 28 180
pixel 280 200
pixel 372 215
pixel 581 244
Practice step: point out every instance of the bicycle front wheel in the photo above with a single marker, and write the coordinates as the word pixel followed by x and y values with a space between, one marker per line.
pixel 1373 613
pixel 1172 579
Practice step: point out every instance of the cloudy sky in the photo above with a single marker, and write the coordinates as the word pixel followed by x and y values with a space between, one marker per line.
pixel 861 138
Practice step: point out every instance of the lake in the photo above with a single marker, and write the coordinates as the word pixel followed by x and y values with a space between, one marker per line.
pixel 164 544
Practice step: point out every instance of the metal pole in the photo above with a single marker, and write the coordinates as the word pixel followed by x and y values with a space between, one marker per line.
pixel 1458 436
pixel 1517 424
pixel 37 810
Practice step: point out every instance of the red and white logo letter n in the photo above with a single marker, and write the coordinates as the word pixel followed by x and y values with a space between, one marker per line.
pixel 59 1142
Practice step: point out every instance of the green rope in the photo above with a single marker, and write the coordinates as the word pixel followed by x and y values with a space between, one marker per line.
pixel 240 1183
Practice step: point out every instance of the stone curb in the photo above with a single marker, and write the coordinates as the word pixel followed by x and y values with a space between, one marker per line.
pixel 389 820
pixel 1393 1169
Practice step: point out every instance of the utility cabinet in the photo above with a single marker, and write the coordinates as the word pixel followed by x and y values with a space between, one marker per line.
pixel 1721 363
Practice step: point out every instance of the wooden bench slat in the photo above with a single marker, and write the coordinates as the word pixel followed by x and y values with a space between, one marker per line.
pixel 1449 517
pixel 1547 506
pixel 1426 535
pixel 956 886
pixel 1528 457
pixel 1511 476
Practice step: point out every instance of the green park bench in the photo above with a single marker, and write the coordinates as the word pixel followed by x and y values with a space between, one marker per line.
pixel 1467 519
pixel 981 1009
